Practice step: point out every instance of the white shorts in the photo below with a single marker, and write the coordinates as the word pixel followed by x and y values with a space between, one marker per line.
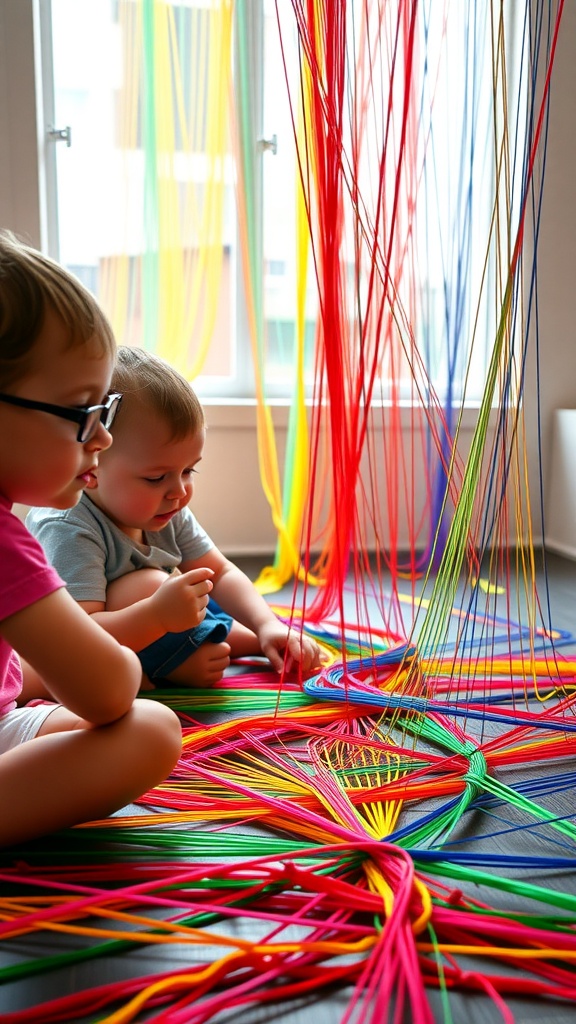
pixel 22 724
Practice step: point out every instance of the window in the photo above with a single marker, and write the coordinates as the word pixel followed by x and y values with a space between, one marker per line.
pixel 147 191
pixel 144 162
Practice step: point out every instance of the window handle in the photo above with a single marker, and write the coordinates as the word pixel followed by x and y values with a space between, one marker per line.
pixel 60 134
pixel 271 144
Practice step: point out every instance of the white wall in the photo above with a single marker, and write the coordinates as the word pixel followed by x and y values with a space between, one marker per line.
pixel 20 169
pixel 229 498
pixel 557 280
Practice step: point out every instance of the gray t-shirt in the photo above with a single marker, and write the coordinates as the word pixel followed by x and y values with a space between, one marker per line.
pixel 89 551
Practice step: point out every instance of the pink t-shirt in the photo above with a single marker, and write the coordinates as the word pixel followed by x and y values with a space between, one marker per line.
pixel 25 577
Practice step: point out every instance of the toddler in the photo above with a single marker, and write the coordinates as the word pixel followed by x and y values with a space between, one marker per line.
pixel 136 559
pixel 94 747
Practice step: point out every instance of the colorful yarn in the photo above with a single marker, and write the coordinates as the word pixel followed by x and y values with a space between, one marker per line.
pixel 377 828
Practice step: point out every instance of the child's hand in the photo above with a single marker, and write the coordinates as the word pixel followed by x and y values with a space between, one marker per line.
pixel 283 647
pixel 180 603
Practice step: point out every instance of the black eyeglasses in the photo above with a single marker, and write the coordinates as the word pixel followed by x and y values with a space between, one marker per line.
pixel 87 418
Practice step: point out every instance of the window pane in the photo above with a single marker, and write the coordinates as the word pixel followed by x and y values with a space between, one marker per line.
pixel 422 125
pixel 282 257
pixel 146 191
pixel 147 204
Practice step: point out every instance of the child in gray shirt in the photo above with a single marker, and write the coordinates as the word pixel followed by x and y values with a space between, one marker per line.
pixel 136 559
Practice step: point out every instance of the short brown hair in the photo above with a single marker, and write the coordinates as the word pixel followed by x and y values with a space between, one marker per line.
pixel 31 283
pixel 160 387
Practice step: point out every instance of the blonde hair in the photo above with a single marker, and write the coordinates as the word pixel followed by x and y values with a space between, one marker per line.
pixel 31 284
pixel 152 381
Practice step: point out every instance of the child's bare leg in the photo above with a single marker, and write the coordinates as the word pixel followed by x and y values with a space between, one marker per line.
pixel 33 686
pixel 64 778
pixel 133 587
pixel 204 667
pixel 208 664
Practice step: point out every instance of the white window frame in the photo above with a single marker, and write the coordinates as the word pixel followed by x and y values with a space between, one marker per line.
pixel 28 165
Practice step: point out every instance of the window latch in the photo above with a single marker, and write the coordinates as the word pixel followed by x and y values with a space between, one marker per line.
pixel 271 144
pixel 60 134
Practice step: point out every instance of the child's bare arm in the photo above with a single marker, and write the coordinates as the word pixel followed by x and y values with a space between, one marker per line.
pixel 177 604
pixel 83 668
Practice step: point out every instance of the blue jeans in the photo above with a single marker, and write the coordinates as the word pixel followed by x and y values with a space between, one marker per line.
pixel 160 658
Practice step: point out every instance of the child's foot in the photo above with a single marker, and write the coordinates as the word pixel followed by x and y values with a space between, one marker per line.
pixel 203 668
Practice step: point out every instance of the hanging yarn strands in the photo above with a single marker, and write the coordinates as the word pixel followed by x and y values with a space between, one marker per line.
pixel 372 331
pixel 383 834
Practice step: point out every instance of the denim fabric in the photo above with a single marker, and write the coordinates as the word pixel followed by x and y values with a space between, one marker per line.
pixel 160 658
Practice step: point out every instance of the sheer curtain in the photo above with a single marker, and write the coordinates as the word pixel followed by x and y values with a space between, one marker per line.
pixel 174 122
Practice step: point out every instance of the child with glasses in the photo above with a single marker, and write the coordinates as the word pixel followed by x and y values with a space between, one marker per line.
pixel 133 554
pixel 93 747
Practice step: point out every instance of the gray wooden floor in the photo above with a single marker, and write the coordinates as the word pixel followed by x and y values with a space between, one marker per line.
pixel 559 595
